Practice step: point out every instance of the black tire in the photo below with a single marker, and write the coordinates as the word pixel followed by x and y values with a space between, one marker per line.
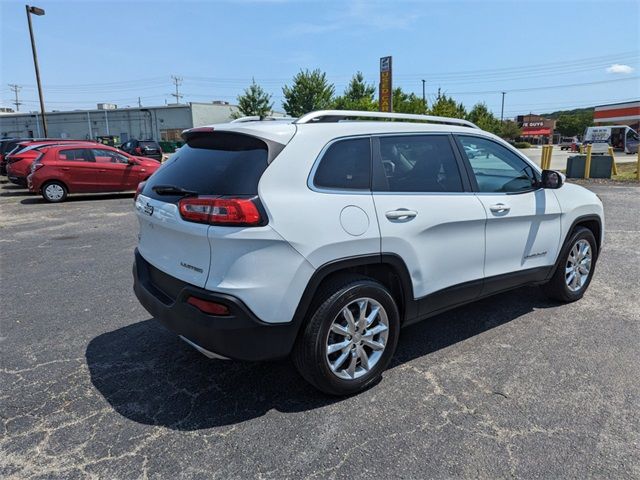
pixel 557 287
pixel 49 197
pixel 309 353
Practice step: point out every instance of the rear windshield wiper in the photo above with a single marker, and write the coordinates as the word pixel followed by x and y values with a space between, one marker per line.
pixel 173 190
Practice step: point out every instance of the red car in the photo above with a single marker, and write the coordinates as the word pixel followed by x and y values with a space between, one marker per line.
pixel 64 169
pixel 18 163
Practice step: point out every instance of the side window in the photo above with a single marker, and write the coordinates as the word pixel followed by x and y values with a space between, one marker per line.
pixel 420 163
pixel 108 156
pixel 345 165
pixel 496 168
pixel 76 154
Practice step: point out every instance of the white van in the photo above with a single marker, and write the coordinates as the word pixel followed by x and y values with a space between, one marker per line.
pixel 620 137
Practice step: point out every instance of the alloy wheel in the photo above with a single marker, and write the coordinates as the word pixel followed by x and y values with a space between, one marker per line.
pixel 578 265
pixel 357 338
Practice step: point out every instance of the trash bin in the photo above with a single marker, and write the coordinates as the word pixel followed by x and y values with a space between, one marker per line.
pixel 600 166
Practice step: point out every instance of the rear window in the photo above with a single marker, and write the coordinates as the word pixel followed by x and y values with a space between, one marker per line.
pixel 214 164
pixel 149 145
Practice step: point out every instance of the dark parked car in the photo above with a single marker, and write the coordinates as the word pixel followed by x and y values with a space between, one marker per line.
pixel 143 148
pixel 6 145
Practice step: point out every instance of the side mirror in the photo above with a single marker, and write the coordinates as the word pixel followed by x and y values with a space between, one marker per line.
pixel 551 179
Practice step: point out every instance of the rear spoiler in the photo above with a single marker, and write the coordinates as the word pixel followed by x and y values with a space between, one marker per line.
pixel 273 148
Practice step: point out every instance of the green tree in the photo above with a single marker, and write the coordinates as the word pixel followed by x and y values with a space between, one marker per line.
pixel 483 118
pixel 407 102
pixel 447 107
pixel 574 124
pixel 510 130
pixel 254 101
pixel 310 91
pixel 357 96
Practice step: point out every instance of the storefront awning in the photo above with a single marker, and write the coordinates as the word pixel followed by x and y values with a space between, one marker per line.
pixel 534 133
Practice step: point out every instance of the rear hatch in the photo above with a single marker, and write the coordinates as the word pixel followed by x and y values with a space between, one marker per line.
pixel 177 205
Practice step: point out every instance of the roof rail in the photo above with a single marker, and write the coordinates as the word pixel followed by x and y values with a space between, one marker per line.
pixel 337 115
pixel 257 118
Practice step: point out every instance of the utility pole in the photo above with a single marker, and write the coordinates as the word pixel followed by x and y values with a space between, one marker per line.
pixel 16 89
pixel 139 103
pixel 177 81
pixel 502 109
pixel 424 96
pixel 39 12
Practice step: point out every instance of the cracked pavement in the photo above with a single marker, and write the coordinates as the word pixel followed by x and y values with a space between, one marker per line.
pixel 511 386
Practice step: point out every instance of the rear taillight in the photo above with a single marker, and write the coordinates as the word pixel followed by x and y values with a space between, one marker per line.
pixel 139 190
pixel 220 211
pixel 36 163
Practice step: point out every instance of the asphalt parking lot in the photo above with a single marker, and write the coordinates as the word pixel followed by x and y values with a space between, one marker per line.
pixel 511 386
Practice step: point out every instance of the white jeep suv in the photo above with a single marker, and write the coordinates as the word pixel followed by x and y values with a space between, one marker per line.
pixel 321 237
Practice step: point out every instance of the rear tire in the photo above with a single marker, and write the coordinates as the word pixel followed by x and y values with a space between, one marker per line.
pixel 575 267
pixel 54 192
pixel 350 337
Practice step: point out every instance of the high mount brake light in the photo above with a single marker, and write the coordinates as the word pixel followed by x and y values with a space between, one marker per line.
pixel 220 211
pixel 200 130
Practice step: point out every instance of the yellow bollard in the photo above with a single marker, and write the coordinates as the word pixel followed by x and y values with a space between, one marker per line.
pixel 587 163
pixel 545 162
pixel 549 153
pixel 614 167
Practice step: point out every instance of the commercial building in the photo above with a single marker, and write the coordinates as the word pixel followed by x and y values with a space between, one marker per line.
pixel 627 113
pixel 536 129
pixel 159 123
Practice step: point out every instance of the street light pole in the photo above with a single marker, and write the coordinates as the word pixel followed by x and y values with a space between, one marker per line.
pixel 502 109
pixel 424 97
pixel 39 12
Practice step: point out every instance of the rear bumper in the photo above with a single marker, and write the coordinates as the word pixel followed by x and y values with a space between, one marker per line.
pixel 240 335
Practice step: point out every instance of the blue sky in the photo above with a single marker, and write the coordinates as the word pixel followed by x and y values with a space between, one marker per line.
pixel 98 51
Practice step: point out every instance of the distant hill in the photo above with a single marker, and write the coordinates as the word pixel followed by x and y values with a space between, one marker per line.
pixel 568 112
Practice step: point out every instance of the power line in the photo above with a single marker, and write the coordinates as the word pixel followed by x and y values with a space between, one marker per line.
pixel 16 88
pixel 546 87
pixel 177 82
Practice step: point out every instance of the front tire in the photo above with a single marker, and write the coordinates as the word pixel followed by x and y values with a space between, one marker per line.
pixel 575 267
pixel 350 338
pixel 54 192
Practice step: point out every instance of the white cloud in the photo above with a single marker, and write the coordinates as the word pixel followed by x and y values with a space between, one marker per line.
pixel 620 68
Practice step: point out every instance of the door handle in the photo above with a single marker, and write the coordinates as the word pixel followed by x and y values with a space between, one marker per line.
pixel 65 168
pixel 102 170
pixel 499 208
pixel 400 214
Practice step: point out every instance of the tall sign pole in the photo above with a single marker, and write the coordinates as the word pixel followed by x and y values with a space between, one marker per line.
pixel 386 85
pixel 39 12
